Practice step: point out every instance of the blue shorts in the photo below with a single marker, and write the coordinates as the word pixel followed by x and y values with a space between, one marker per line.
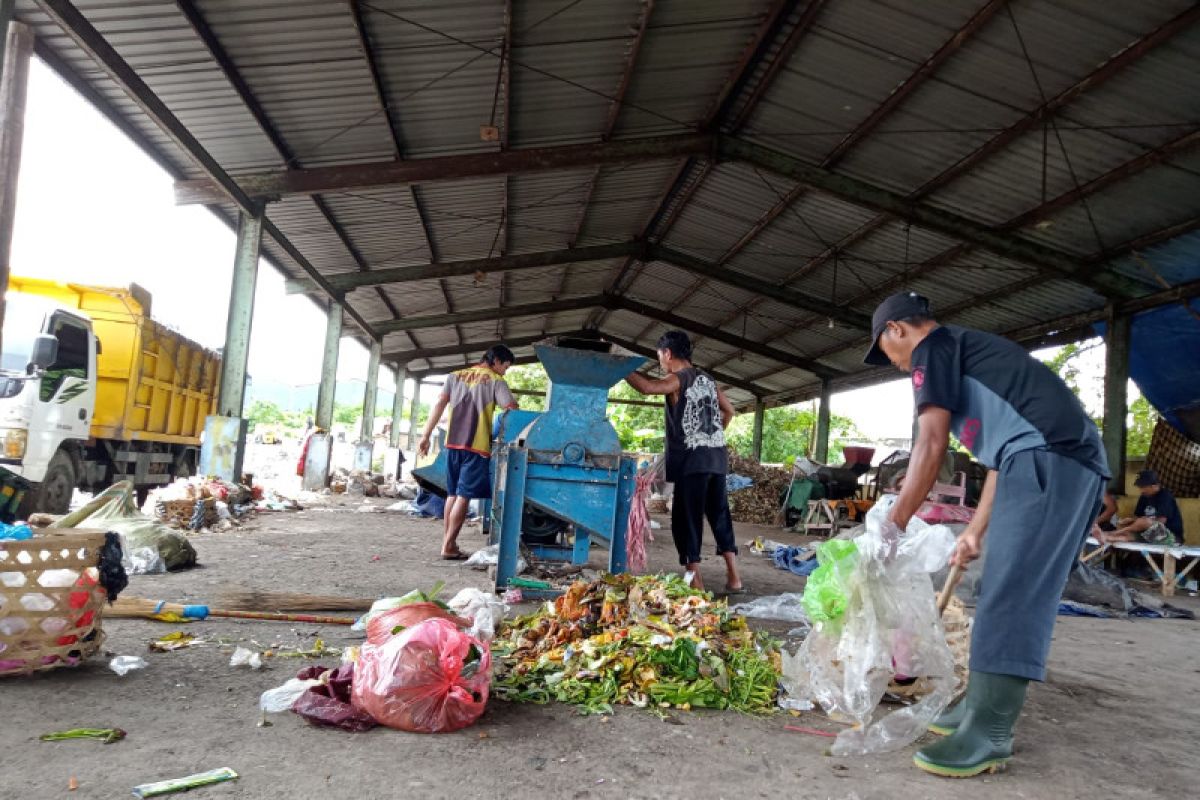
pixel 468 474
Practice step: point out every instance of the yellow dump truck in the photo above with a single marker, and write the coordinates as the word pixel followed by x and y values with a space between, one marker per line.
pixel 93 391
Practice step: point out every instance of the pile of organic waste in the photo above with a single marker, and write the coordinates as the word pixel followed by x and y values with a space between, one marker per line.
pixel 649 641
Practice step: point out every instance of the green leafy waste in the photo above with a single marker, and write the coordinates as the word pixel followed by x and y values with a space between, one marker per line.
pixel 647 641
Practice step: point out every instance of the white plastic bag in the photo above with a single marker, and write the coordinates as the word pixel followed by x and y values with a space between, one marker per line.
pixel 890 629
pixel 245 657
pixel 483 609
pixel 488 557
pixel 123 665
pixel 282 698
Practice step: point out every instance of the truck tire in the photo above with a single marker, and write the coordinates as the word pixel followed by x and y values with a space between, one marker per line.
pixel 53 494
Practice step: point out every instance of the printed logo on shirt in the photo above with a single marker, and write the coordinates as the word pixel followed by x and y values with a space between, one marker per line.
pixel 1150 511
pixel 918 377
pixel 702 415
pixel 970 432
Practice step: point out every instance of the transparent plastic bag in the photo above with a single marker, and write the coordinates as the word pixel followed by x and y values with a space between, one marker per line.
pixel 282 698
pixel 788 607
pixel 826 592
pixel 890 629
pixel 430 678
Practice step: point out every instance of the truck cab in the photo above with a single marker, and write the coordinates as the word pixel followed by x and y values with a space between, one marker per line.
pixel 45 414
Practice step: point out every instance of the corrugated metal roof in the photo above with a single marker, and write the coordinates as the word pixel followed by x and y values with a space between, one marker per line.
pixel 439 66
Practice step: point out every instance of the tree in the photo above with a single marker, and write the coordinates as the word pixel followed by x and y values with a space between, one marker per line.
pixel 1141 417
pixel 789 432
pixel 531 378
pixel 346 413
pixel 263 412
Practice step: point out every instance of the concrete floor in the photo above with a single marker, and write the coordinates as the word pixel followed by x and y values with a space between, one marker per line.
pixel 1116 718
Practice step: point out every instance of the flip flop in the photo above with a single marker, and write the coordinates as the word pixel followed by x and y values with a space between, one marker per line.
pixel 734 592
pixel 458 555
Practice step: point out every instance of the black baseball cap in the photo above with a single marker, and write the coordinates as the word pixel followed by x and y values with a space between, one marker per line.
pixel 901 305
pixel 1146 477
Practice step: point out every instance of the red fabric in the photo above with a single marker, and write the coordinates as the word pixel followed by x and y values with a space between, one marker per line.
pixel 328 703
pixel 303 455
pixel 414 680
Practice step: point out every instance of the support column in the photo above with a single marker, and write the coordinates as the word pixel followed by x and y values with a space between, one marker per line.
pixel 16 45
pixel 760 409
pixel 391 460
pixel 1116 405
pixel 319 457
pixel 413 411
pixel 225 434
pixel 364 451
pixel 822 449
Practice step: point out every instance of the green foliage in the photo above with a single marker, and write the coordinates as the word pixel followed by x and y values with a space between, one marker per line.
pixel 262 412
pixel 1142 416
pixel 789 432
pixel 641 428
pixel 346 413
pixel 530 378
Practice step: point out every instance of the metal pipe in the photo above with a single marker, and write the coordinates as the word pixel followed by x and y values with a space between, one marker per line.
pixel 760 409
pixel 1116 389
pixel 822 448
pixel 16 45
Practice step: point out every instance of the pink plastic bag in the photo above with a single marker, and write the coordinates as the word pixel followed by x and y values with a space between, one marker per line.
pixel 415 680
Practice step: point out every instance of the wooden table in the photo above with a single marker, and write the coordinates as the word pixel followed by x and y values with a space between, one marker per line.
pixel 1173 557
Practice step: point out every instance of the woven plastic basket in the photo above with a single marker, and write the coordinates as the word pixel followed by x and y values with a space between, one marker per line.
pixel 50 601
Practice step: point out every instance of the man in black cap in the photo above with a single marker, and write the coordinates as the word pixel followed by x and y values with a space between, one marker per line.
pixel 1046 476
pixel 1156 520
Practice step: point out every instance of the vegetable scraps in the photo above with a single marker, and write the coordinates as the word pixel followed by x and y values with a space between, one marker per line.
pixel 649 641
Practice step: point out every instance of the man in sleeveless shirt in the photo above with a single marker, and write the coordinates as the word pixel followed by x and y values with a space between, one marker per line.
pixel 697 413
pixel 1046 476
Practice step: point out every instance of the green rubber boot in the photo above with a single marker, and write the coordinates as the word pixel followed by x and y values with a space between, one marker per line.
pixel 948 721
pixel 983 739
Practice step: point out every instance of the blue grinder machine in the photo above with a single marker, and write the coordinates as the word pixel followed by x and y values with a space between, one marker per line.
pixel 559 478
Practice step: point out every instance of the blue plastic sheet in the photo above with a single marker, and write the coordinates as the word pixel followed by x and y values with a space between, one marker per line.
pixel 789 558
pixel 735 482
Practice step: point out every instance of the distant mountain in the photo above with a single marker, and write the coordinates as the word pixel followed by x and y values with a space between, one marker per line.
pixel 299 398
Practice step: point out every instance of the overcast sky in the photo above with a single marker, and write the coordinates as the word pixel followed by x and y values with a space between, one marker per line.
pixel 93 208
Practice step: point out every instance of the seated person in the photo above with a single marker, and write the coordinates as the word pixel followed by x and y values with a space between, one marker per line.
pixel 1157 519
pixel 1107 521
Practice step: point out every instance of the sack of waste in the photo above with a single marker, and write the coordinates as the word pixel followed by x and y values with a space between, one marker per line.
pixel 875 621
pixel 430 678
pixel 149 545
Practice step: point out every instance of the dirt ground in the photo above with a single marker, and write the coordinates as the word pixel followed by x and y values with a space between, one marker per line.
pixel 1117 717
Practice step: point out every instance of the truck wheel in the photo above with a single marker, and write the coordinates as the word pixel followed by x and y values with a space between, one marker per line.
pixel 53 494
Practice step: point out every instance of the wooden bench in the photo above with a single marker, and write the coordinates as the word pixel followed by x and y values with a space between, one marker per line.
pixel 1173 557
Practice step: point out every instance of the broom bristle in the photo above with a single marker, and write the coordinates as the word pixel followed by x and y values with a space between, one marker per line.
pixel 291 601
pixel 125 606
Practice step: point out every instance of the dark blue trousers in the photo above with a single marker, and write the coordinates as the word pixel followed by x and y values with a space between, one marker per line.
pixel 1045 505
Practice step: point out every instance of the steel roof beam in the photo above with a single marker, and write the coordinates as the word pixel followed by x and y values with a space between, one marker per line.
pixel 90 41
pixel 488 314
pixel 232 74
pixel 348 281
pixel 408 356
pixel 424 374
pixel 716 334
pixel 720 377
pixel 345 177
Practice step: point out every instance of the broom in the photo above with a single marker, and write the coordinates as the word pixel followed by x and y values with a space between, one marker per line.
pixel 142 608
pixel 255 600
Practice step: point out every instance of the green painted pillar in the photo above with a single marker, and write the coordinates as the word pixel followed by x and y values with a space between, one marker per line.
pixel 413 422
pixel 329 362
pixel 760 410
pixel 236 354
pixel 398 405
pixel 16 46
pixel 1116 400
pixel 822 449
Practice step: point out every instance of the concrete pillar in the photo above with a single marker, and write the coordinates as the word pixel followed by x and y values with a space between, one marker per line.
pixel 1116 405
pixel 760 409
pixel 236 354
pixel 224 445
pixel 413 422
pixel 16 45
pixel 319 458
pixel 329 362
pixel 822 449
pixel 398 406
pixel 364 451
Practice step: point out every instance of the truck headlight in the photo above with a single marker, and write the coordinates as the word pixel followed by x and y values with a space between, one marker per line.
pixel 15 440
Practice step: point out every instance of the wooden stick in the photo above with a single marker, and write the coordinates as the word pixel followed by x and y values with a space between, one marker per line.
pixel 956 573
pixel 143 608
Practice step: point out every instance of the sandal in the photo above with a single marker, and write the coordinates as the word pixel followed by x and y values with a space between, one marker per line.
pixel 457 555
pixel 734 592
